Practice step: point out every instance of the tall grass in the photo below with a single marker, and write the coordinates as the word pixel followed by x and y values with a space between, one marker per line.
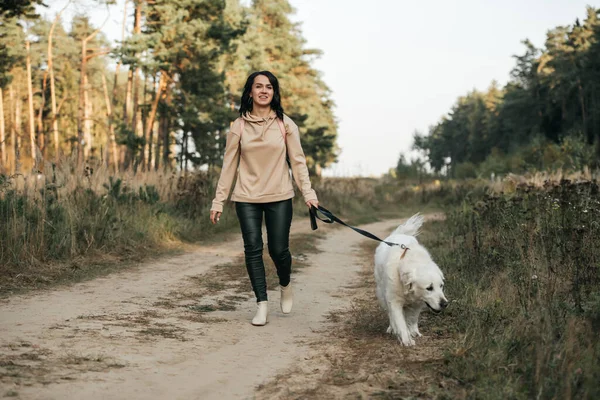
pixel 60 225
pixel 52 224
pixel 524 271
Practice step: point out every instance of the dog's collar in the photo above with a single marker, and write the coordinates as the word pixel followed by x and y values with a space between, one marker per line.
pixel 404 252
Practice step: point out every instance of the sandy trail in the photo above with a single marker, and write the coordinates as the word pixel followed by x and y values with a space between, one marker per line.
pixel 125 337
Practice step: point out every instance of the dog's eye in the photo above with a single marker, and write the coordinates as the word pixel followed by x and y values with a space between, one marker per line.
pixel 442 286
pixel 430 288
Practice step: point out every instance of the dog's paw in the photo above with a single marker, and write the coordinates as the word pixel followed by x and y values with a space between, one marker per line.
pixel 406 341
pixel 389 329
pixel 415 333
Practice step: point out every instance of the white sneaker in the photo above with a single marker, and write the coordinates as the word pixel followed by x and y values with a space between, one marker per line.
pixel 287 298
pixel 260 318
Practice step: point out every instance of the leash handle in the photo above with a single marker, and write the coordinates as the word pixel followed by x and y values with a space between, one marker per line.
pixel 331 218
pixel 313 218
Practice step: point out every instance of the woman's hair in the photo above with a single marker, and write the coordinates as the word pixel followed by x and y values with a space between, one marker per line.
pixel 246 103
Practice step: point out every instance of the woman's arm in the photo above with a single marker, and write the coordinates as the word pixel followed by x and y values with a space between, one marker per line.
pixel 298 162
pixel 230 164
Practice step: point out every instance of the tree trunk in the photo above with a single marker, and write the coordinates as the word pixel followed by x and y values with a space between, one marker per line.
pixel 2 133
pixel 137 29
pixel 3 158
pixel 167 146
pixel 81 106
pixel 111 140
pixel 52 88
pixel 143 119
pixel 582 103
pixel 126 111
pixel 131 107
pixel 30 102
pixel 162 127
pixel 16 134
pixel 153 145
pixel 116 158
pixel 127 103
pixel 152 115
pixel 167 136
pixel 151 131
pixel 41 137
pixel 87 119
pixel 82 109
pixel 185 154
pixel 13 135
pixel 183 158
pixel 135 116
pixel 595 132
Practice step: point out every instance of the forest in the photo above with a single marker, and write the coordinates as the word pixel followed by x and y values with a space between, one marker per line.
pixel 547 117
pixel 162 97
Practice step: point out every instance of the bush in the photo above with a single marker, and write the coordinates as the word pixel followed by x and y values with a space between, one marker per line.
pixel 524 271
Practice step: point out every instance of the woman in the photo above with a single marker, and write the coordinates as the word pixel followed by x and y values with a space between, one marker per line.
pixel 258 142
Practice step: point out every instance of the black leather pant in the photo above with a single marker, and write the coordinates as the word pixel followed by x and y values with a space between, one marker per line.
pixel 278 219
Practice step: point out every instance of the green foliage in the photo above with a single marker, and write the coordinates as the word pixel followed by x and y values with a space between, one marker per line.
pixel 198 52
pixel 272 42
pixel 414 169
pixel 548 112
pixel 571 154
pixel 19 8
pixel 12 51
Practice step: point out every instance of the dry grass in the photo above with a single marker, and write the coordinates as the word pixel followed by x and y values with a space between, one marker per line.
pixel 63 178
pixel 25 364
pixel 166 331
pixel 63 226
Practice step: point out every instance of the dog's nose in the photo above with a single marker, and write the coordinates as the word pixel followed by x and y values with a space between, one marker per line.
pixel 443 303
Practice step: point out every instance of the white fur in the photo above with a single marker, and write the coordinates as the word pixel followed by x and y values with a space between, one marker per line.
pixel 406 286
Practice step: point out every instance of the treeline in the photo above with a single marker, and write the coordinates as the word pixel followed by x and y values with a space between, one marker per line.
pixel 546 117
pixel 163 97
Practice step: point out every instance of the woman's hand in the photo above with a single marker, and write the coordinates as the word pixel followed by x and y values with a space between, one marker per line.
pixel 312 203
pixel 214 216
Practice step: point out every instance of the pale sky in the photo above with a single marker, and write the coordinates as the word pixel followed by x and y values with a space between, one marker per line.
pixel 396 66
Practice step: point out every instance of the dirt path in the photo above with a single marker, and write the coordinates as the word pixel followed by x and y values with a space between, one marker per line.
pixel 144 333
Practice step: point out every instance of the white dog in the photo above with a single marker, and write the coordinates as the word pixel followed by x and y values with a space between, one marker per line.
pixel 407 281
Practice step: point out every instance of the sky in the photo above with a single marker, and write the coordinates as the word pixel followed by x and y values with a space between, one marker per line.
pixel 397 66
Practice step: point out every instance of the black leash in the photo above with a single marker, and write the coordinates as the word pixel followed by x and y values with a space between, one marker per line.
pixel 330 219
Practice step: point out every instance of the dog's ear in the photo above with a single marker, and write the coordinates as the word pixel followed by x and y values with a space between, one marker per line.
pixel 408 279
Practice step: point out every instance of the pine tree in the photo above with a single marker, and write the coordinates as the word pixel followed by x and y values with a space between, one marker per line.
pixel 275 43
pixel 19 8
pixel 183 42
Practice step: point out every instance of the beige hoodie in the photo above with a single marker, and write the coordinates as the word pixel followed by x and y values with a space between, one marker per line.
pixel 259 159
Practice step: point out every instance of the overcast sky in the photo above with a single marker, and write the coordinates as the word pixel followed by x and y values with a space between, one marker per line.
pixel 396 66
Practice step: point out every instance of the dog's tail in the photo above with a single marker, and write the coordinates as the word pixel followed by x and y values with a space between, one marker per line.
pixel 412 226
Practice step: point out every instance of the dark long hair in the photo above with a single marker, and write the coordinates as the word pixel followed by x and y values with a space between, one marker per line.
pixel 246 102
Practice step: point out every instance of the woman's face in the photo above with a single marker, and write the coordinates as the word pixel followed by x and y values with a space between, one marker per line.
pixel 262 91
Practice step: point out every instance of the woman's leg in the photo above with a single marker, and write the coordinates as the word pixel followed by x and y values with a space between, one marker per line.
pixel 278 218
pixel 250 217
